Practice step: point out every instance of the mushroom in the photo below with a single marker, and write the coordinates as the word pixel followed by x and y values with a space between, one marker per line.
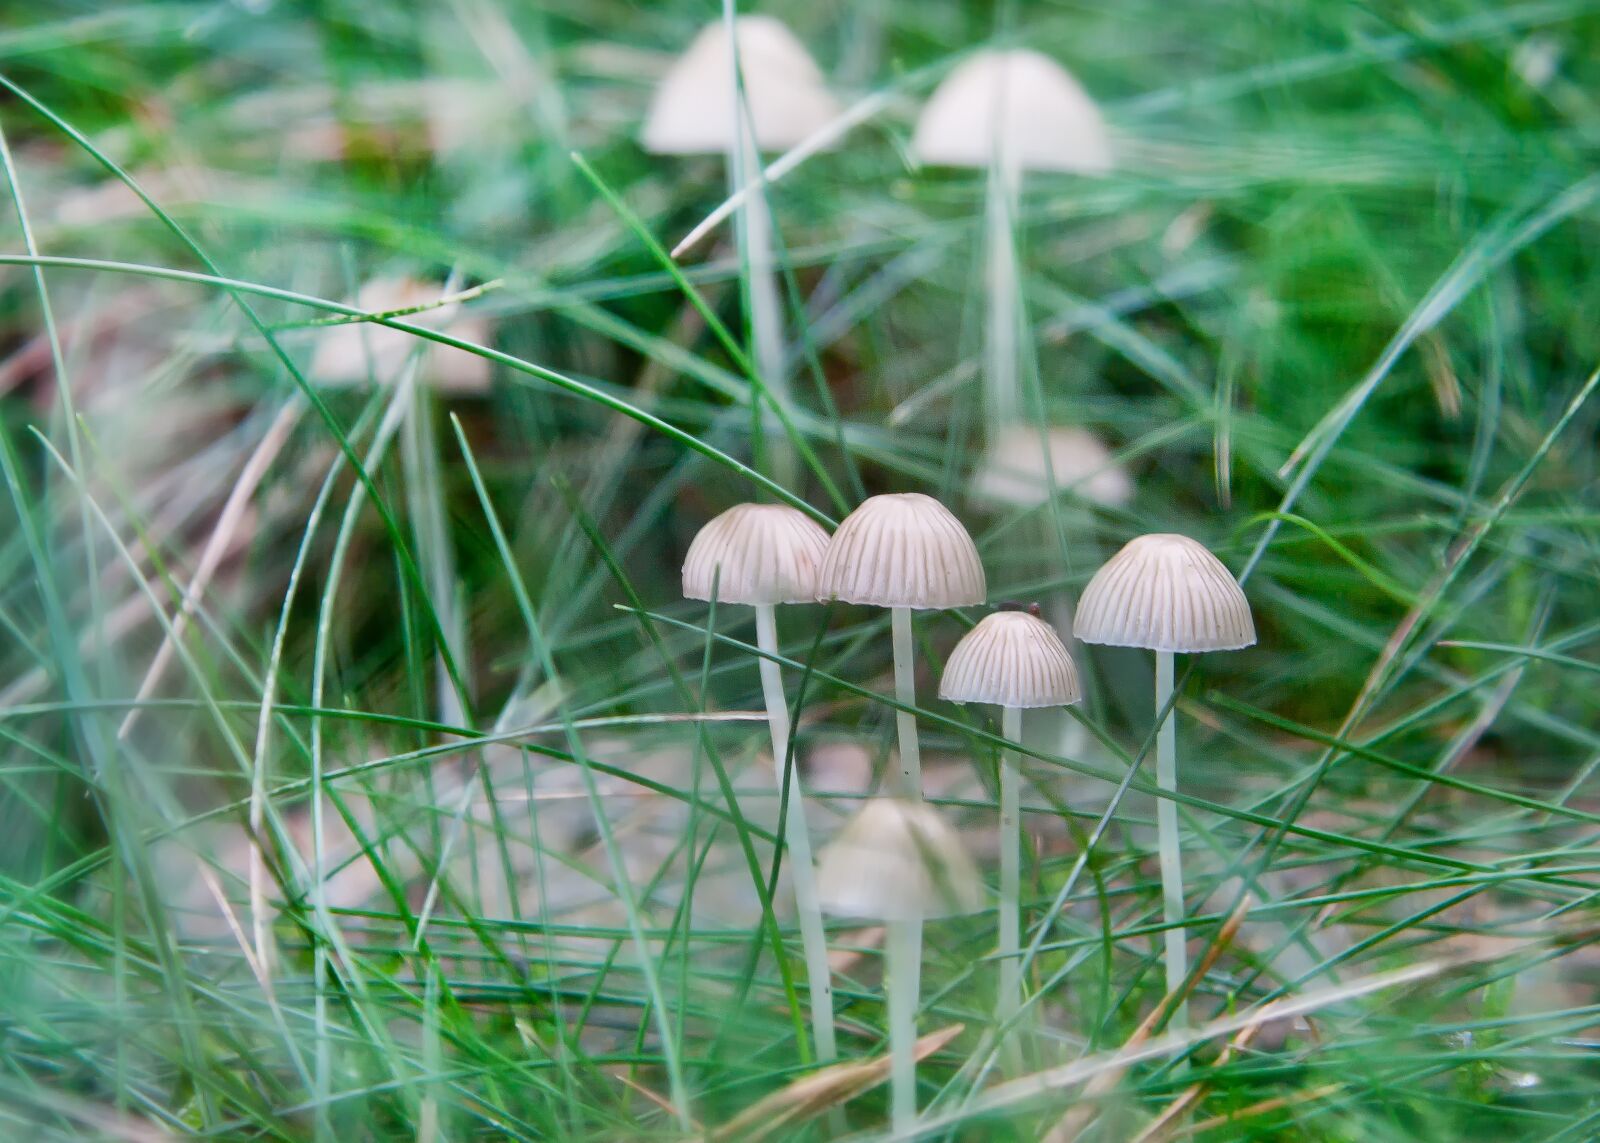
pixel 698 110
pixel 904 551
pixel 355 353
pixel 1009 112
pixel 1167 593
pixel 764 555
pixel 1015 660
pixel 1025 466
pixel 898 862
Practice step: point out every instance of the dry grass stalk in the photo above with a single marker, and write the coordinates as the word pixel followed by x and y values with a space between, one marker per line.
pixel 812 1095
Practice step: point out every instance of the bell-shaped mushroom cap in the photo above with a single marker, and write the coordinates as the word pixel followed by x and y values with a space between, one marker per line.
pixel 768 553
pixel 897 861
pixel 694 109
pixel 903 549
pixel 358 353
pixel 1013 659
pixel 1018 105
pixel 1015 472
pixel 1167 593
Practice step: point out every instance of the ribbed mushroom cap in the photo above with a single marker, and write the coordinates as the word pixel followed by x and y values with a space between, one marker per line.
pixel 1014 471
pixel 903 549
pixel 769 553
pixel 1020 105
pixel 695 108
pixel 1013 659
pixel 898 861
pixel 1167 593
pixel 357 353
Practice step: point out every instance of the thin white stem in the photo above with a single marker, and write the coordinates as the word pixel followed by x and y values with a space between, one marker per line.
pixel 1167 829
pixel 903 950
pixel 797 837
pixel 1010 942
pixel 909 785
pixel 766 309
pixel 1002 395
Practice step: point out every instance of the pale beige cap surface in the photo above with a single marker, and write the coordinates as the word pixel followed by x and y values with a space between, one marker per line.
pixel 359 353
pixel 898 861
pixel 768 553
pixel 1011 658
pixel 694 109
pixel 1168 593
pixel 1014 470
pixel 1020 105
pixel 902 549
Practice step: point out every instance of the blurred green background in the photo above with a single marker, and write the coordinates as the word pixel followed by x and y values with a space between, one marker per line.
pixel 1333 313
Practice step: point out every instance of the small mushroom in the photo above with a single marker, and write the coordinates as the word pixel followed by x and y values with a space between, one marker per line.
pixel 1015 660
pixel 1167 593
pixel 1019 106
pixel 904 551
pixel 697 111
pixel 1009 112
pixel 764 555
pixel 1025 466
pixel 757 90
pixel 360 353
pixel 898 862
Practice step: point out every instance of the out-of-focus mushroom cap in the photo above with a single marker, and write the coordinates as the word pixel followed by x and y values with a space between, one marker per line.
pixel 898 861
pixel 1011 658
pixel 768 553
pixel 694 109
pixel 1168 593
pixel 902 549
pixel 1014 470
pixel 360 353
pixel 1019 105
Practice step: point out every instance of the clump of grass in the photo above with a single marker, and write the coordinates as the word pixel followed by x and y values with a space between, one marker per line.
pixel 1332 311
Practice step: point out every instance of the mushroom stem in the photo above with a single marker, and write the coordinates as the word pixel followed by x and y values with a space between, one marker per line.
pixel 903 949
pixel 766 311
pixel 1003 400
pixel 1010 995
pixel 796 836
pixel 1167 831
pixel 905 691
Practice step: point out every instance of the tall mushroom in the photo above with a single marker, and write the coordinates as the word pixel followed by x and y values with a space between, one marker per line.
pixel 1015 660
pixel 897 861
pixel 757 90
pixel 1009 112
pixel 904 551
pixel 764 555
pixel 1167 593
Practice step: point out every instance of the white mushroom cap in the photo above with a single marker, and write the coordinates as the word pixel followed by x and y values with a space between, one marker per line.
pixel 1013 659
pixel 898 861
pixel 768 553
pixel 903 549
pixel 694 111
pixel 358 353
pixel 1014 471
pixel 1167 593
pixel 1019 105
